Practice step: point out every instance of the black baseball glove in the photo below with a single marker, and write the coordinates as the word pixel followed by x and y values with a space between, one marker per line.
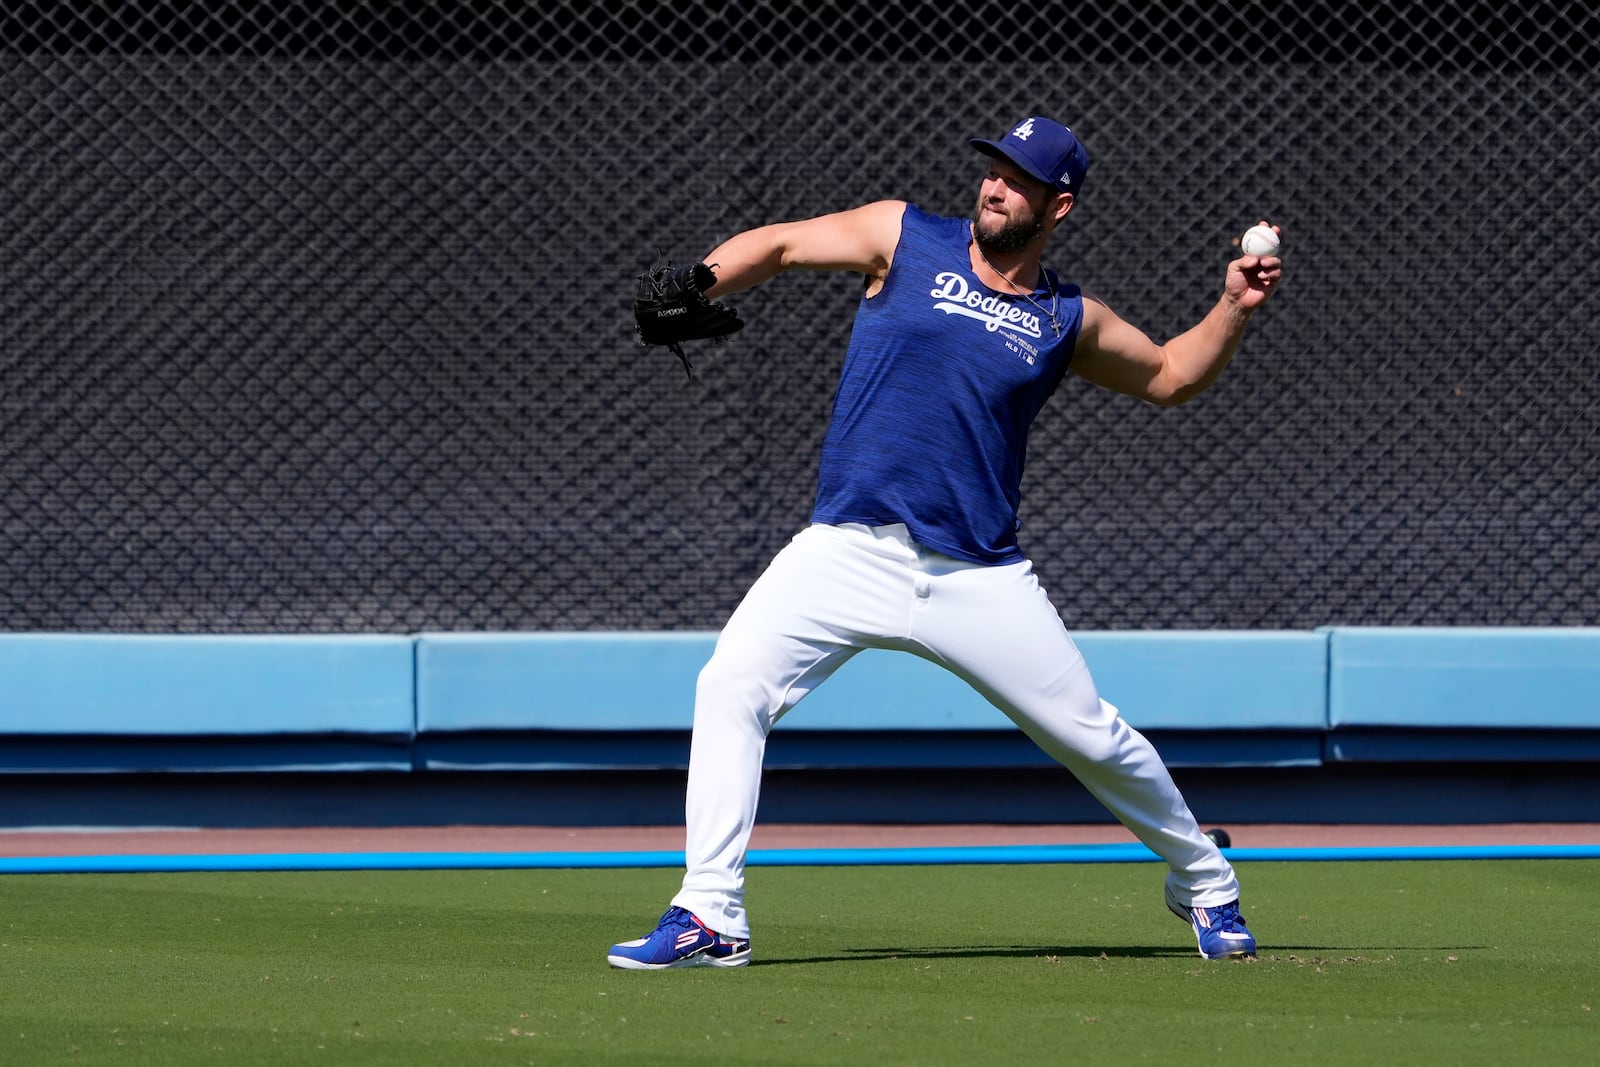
pixel 670 308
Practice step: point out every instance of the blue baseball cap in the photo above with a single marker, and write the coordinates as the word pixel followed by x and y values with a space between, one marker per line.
pixel 1043 148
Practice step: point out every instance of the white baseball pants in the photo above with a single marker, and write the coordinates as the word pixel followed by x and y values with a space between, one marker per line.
pixel 835 590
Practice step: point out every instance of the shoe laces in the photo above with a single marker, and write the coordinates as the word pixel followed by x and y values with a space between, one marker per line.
pixel 1227 917
pixel 678 918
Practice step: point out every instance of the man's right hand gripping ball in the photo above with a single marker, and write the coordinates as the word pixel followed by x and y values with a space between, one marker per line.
pixel 670 307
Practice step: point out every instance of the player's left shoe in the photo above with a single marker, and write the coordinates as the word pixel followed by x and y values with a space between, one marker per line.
pixel 680 940
pixel 1220 932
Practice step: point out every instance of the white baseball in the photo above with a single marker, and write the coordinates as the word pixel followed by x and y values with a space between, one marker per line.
pixel 1259 241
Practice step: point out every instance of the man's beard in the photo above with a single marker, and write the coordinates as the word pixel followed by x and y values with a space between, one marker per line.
pixel 1011 238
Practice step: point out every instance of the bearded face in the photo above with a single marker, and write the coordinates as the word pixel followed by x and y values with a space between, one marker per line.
pixel 1009 236
pixel 1004 224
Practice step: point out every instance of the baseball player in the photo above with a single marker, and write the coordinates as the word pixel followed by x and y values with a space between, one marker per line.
pixel 960 337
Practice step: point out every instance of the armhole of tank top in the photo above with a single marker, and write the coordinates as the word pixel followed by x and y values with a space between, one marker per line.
pixel 1072 349
pixel 888 275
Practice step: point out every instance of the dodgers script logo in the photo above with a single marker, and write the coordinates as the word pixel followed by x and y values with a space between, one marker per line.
pixel 956 297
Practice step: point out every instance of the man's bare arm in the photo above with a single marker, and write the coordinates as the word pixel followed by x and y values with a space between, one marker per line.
pixel 862 239
pixel 1113 353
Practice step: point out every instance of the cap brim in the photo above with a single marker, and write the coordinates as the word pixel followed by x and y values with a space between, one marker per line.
pixel 992 148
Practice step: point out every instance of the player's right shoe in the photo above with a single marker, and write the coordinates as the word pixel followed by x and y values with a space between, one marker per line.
pixel 680 940
pixel 1220 932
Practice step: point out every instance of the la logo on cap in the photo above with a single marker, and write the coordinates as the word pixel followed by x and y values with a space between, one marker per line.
pixel 1023 132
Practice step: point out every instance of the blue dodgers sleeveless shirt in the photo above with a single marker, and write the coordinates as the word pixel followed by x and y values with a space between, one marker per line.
pixel 941 382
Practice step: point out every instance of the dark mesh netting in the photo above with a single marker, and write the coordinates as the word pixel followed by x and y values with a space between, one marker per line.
pixel 315 316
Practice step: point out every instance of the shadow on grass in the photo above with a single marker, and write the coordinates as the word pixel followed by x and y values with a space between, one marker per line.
pixel 1331 953
pixel 958 952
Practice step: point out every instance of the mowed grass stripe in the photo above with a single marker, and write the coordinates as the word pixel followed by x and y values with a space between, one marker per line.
pixel 1399 962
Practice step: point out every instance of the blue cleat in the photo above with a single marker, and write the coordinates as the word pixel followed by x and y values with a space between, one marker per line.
pixel 680 940
pixel 1220 932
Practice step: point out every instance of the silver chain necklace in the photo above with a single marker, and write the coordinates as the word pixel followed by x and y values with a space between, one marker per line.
pixel 1055 297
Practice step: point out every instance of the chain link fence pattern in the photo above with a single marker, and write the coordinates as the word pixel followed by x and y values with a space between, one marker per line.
pixel 315 317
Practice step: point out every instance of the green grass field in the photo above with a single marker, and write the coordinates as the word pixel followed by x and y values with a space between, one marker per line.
pixel 1398 962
